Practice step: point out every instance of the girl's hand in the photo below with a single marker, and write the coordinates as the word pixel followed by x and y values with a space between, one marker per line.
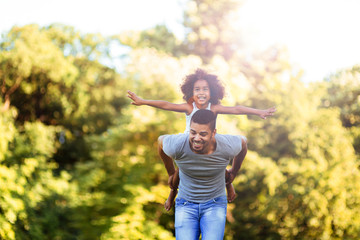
pixel 136 100
pixel 267 112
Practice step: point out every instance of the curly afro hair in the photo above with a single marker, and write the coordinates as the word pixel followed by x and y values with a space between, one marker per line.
pixel 217 90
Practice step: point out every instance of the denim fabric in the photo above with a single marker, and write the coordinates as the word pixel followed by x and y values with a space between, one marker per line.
pixel 207 219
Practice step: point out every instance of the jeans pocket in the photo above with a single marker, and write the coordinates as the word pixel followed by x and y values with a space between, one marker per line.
pixel 222 200
pixel 180 212
pixel 180 202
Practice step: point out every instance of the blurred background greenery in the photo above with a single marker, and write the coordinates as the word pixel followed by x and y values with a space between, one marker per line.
pixel 77 161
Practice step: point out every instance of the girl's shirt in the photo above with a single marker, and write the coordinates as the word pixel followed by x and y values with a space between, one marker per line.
pixel 188 117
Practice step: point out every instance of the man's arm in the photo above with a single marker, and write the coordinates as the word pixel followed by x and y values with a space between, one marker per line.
pixel 168 162
pixel 237 162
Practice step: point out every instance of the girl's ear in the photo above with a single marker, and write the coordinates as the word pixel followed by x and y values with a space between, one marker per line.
pixel 191 100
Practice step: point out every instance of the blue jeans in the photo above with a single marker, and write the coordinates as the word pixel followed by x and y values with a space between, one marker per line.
pixel 207 218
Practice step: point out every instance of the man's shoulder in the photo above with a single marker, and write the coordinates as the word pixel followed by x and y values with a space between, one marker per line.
pixel 227 138
pixel 174 144
pixel 176 137
pixel 231 144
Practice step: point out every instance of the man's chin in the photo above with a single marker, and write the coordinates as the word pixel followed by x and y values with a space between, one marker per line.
pixel 197 149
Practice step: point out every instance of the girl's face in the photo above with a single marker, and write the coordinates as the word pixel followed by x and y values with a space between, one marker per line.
pixel 201 92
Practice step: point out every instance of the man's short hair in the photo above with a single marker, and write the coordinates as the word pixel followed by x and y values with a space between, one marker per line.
pixel 204 116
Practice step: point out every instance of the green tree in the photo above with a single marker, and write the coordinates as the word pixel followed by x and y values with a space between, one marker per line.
pixel 343 90
pixel 159 38
pixel 53 80
pixel 312 196
pixel 272 82
pixel 33 199
pixel 305 169
pixel 30 66
pixel 209 31
pixel 54 75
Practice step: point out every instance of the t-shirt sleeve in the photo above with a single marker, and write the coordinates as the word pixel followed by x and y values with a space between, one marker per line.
pixel 172 144
pixel 234 144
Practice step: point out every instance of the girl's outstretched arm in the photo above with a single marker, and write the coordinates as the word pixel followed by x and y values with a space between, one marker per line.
pixel 183 107
pixel 241 110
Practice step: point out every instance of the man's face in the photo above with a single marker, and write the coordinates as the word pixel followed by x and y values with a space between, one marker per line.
pixel 201 138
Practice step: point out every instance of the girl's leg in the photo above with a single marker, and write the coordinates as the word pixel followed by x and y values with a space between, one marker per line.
pixel 170 201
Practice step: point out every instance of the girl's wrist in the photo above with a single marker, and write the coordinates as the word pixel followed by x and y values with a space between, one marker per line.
pixel 142 101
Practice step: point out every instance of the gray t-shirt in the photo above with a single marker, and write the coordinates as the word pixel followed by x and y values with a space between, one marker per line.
pixel 202 176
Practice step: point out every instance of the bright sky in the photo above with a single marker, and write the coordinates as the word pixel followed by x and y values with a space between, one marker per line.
pixel 322 35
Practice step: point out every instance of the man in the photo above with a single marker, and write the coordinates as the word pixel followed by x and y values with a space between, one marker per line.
pixel 202 157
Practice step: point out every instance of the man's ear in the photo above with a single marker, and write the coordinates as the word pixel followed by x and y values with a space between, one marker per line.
pixel 214 132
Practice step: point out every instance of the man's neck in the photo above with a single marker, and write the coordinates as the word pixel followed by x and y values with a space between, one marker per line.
pixel 212 147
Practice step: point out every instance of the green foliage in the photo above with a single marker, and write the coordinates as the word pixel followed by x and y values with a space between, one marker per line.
pixel 72 90
pixel 344 92
pixel 209 30
pixel 312 197
pixel 33 200
pixel 159 38
pixel 125 201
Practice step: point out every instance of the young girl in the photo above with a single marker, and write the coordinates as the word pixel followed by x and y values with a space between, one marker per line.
pixel 201 91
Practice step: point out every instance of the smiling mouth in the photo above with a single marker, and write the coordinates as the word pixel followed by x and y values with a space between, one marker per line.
pixel 197 144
